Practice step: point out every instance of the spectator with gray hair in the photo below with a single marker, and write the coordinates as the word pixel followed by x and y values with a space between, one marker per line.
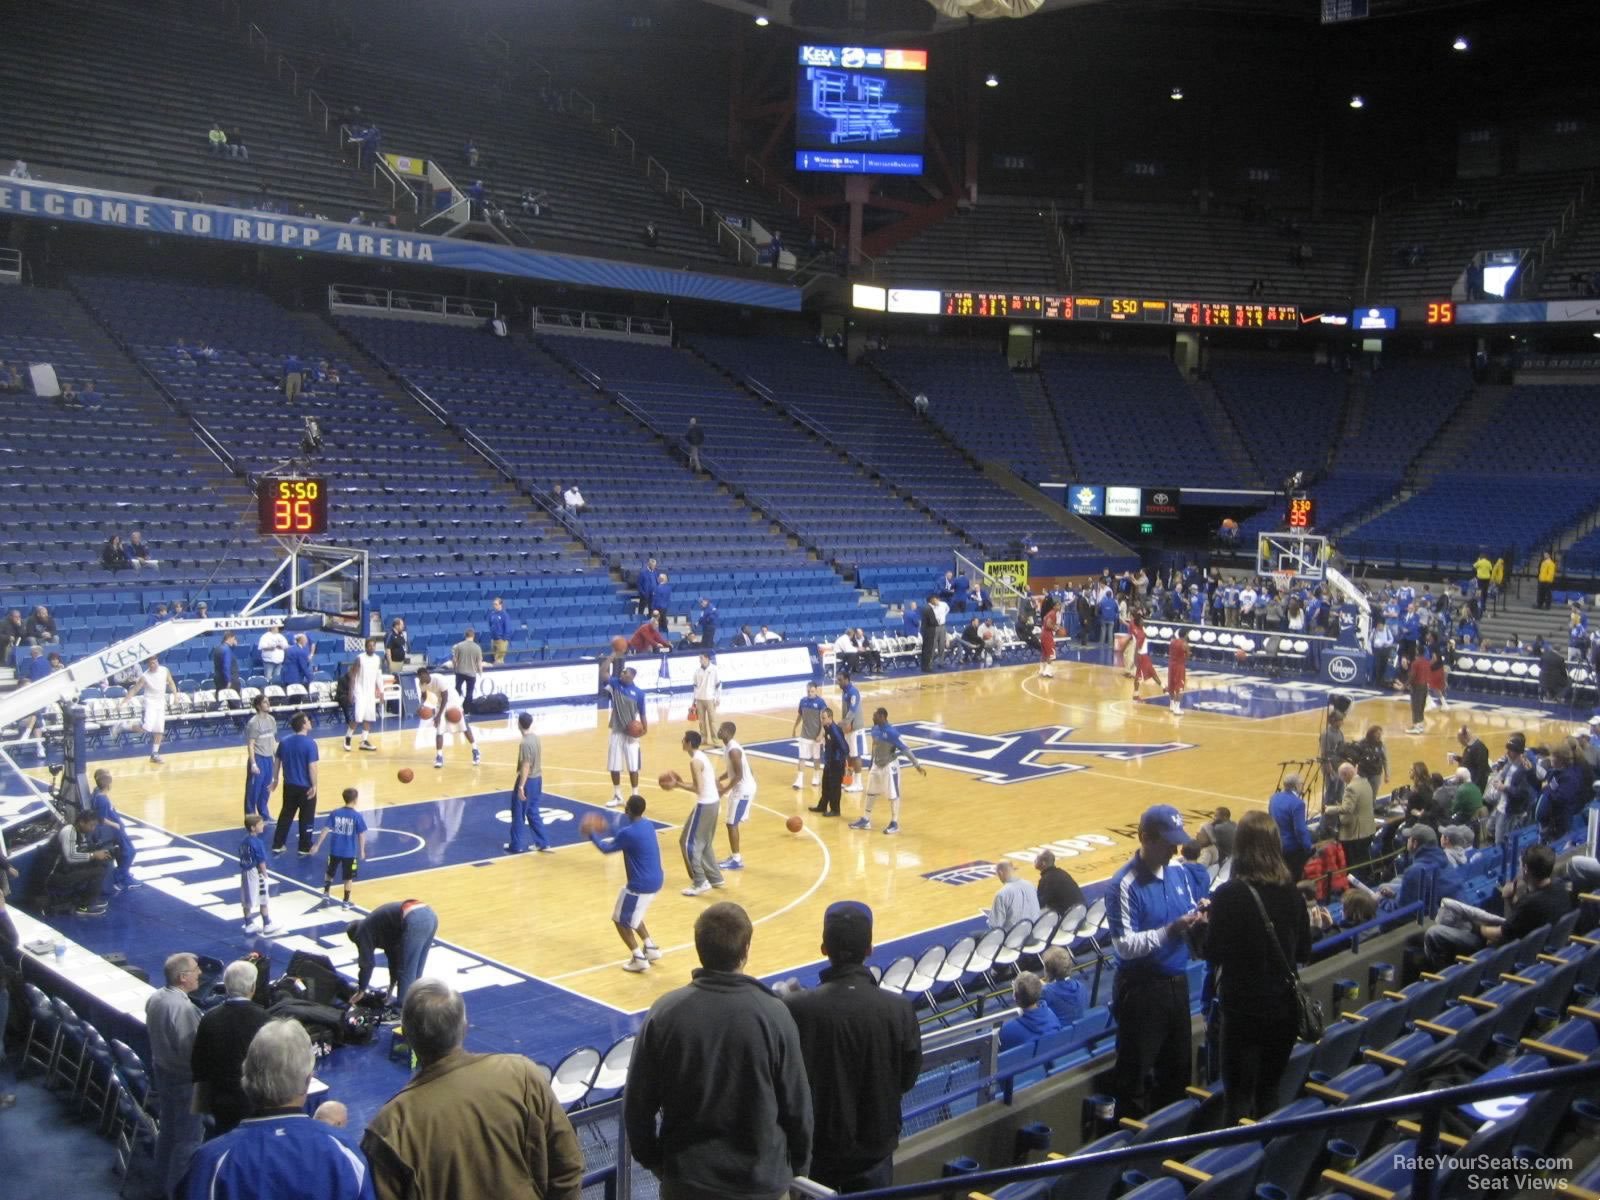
pixel 280 1151
pixel 1033 1020
pixel 1457 841
pixel 171 1020
pixel 220 1045
pixel 469 1124
pixel 1016 900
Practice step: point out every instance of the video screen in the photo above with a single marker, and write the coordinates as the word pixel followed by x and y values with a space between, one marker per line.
pixel 860 110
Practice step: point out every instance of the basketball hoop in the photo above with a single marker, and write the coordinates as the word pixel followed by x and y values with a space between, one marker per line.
pixel 1285 581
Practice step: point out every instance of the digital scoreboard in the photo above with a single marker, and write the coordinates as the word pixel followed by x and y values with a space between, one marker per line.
pixel 1302 514
pixel 1125 309
pixel 292 507
pixel 860 110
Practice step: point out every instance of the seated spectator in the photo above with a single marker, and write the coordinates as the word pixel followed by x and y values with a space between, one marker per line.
pixel 1063 995
pixel 766 635
pixel 90 398
pixel 871 660
pixel 139 550
pixel 1533 900
pixel 41 627
pixel 651 235
pixel 648 636
pixel 920 403
pixel 282 1152
pixel 846 656
pixel 180 352
pixel 114 556
pixel 69 397
pixel 744 637
pixel 1199 873
pixel 218 140
pixel 1457 842
pixel 1034 1020
pixel 236 147
pixel 1357 908
pixel 12 634
pixel 19 170
pixel 1422 875
pixel 10 380
pixel 1058 891
pixel 573 499
pixel 471 153
pixel 1016 900
pixel 204 353
pixel 220 1045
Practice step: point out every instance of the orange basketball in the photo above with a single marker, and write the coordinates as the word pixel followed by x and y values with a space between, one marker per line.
pixel 795 824
pixel 619 644
pixel 635 728
pixel 1241 655
pixel 452 714
pixel 668 780
pixel 425 712
pixel 405 775
pixel 592 823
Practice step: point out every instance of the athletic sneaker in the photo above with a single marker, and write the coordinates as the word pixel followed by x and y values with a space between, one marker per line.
pixel 697 889
pixel 892 827
pixel 347 745
pixel 854 787
pixel 614 802
pixel 720 884
pixel 272 930
pixel 1416 729
pixel 277 849
pixel 155 758
pixel 798 784
pixel 730 864
pixel 510 849
pixel 253 925
pixel 369 746
pixel 862 823
pixel 438 760
pixel 477 756
pixel 97 909
pixel 547 849
pixel 816 781
pixel 652 952
pixel 635 965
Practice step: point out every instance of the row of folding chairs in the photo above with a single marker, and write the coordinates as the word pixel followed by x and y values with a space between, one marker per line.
pixel 586 1076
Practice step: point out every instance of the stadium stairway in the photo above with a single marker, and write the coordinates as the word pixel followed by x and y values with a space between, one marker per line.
pixel 1042 419
pixel 430 429
pixel 1210 407
pixel 1478 407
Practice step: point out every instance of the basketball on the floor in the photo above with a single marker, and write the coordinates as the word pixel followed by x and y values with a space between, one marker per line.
pixel 795 824
pixel 405 774
pixel 425 712
pixel 591 823
pixel 668 780
pixel 618 644
pixel 1241 655
pixel 635 728
pixel 452 714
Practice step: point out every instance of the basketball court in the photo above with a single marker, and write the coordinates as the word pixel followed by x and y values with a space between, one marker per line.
pixel 1015 763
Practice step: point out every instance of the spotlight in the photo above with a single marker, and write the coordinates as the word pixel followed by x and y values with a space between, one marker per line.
pixel 763 21
pixel 1175 94
pixel 991 80
pixel 1357 102
pixel 1461 44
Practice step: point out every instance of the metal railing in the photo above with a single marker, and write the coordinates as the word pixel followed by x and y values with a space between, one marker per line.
pixel 389 299
pixel 1006 595
pixel 820 225
pixel 11 264
pixel 1531 272
pixel 567 320
pixel 652 167
pixel 1062 247
pixel 315 102
pixel 619 134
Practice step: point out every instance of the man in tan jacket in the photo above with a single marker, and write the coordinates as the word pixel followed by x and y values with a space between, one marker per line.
pixel 468 1124
pixel 1356 822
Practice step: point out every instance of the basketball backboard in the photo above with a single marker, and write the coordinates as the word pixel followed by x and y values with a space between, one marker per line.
pixel 1303 554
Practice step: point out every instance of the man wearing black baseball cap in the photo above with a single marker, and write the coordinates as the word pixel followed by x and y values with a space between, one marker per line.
pixel 1151 911
pixel 862 1052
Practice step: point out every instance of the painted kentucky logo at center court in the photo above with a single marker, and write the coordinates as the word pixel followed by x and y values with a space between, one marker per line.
pixel 1019 756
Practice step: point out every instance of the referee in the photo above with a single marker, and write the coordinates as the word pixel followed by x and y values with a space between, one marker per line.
pixel 1150 911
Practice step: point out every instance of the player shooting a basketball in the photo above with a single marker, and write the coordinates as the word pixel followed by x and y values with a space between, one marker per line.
pixel 434 697
pixel 628 725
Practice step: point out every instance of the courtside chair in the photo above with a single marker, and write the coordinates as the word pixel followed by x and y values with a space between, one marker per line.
pixel 1068 931
pixel 925 976
pixel 71 1047
pixel 1010 949
pixel 982 960
pixel 44 1031
pixel 957 962
pixel 1043 930
pixel 574 1076
pixel 897 974
pixel 612 1072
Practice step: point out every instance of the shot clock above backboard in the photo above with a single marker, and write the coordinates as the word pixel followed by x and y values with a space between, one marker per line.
pixel 296 507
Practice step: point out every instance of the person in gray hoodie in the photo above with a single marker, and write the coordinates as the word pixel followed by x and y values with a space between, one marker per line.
pixel 719 1063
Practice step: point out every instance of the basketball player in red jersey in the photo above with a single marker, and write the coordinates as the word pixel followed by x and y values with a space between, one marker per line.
pixel 1048 628
pixel 1177 671
pixel 1143 668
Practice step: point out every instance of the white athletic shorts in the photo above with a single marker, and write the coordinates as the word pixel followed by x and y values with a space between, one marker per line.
pixel 622 753
pixel 808 750
pixel 884 781
pixel 736 807
pixel 631 908
pixel 155 714
pixel 366 708
pixel 856 738
pixel 252 890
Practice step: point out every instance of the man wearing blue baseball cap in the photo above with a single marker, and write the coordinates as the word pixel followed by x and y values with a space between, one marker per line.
pixel 863 1052
pixel 1151 912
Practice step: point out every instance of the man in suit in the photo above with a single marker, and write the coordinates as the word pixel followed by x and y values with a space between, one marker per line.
pixel 928 627
pixel 220 1043
pixel 1356 821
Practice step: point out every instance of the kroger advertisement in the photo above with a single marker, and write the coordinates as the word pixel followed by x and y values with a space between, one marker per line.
pixel 860 110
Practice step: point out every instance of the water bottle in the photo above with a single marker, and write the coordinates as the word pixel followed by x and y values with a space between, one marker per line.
pixel 60 949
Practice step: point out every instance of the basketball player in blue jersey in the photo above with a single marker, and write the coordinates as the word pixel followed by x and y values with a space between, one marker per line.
pixel 345 834
pixel 851 724
pixel 884 778
pixel 807 729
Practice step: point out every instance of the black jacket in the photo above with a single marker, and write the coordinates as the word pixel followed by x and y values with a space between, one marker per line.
pixel 1058 891
pixel 930 622
pixel 862 1051
pixel 1475 758
pixel 1252 983
pixel 220 1044
pixel 719 1061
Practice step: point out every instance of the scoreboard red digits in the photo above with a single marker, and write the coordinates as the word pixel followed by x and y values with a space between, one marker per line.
pixel 292 507
pixel 1441 312
pixel 1302 512
pixel 1215 314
